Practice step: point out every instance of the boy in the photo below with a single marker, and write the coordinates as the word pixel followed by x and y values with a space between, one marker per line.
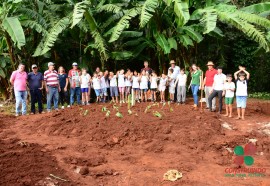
pixel 85 81
pixel 229 95
pixel 171 84
pixel 181 79
pixel 241 78
pixel 96 86
pixel 113 87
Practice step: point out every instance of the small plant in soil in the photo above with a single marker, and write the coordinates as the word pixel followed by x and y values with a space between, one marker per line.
pixel 129 112
pixel 147 108
pixel 86 112
pixel 104 109
pixel 115 107
pixel 108 113
pixel 119 115
pixel 171 109
pixel 163 105
pixel 157 114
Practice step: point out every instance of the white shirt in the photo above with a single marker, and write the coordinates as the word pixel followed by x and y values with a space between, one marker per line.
pixel 153 82
pixel 107 82
pixel 144 82
pixel 229 93
pixel 241 88
pixel 102 82
pixel 135 82
pixel 96 83
pixel 171 80
pixel 113 82
pixel 127 82
pixel 219 80
pixel 182 79
pixel 121 80
pixel 85 80
pixel 176 71
pixel 162 82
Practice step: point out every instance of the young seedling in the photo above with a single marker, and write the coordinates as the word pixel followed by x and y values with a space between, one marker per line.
pixel 115 107
pixel 85 112
pixel 108 113
pixel 129 101
pixel 129 112
pixel 104 109
pixel 171 109
pixel 157 114
pixel 163 105
pixel 119 115
pixel 147 108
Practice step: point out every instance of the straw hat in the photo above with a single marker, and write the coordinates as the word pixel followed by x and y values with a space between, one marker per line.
pixel 172 62
pixel 210 63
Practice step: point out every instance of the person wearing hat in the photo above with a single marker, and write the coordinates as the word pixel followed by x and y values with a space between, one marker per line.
pixel 218 89
pixel 176 72
pixel 18 79
pixel 35 83
pixel 51 82
pixel 74 80
pixel 208 84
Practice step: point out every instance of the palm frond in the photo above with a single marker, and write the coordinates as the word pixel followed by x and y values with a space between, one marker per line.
pixel 35 26
pixel 196 36
pixel 209 20
pixel 182 12
pixel 52 36
pixel 148 9
pixel 113 8
pixel 257 8
pixel 78 12
pixel 185 40
pixel 131 34
pixel 112 19
pixel 245 27
pixel 34 15
pixel 255 19
pixel 123 23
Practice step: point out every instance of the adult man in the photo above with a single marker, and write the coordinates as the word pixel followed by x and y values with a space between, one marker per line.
pixel 35 80
pixel 217 89
pixel 74 80
pixel 52 86
pixel 146 68
pixel 208 83
pixel 176 72
pixel 18 79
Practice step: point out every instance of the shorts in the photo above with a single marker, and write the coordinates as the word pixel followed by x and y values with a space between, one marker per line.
pixel 228 101
pixel 114 91
pixel 121 89
pixel 136 89
pixel 154 89
pixel 104 91
pixel 162 89
pixel 241 101
pixel 84 90
pixel 97 91
pixel 127 89
pixel 172 90
pixel 144 90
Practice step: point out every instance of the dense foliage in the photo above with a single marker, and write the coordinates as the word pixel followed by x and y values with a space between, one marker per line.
pixel 116 34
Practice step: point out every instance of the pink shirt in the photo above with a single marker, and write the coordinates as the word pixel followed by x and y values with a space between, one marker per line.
pixel 19 79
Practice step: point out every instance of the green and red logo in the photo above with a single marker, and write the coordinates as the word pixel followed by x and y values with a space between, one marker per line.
pixel 244 155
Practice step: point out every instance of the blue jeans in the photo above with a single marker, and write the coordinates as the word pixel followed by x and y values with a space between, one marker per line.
pixel 36 96
pixel 195 89
pixel 21 97
pixel 52 94
pixel 75 91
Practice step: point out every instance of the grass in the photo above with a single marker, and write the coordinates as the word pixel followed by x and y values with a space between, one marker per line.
pixel 260 95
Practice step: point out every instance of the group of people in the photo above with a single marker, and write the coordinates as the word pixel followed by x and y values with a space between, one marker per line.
pixel 118 86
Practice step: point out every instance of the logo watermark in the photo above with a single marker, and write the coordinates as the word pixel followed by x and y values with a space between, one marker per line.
pixel 244 156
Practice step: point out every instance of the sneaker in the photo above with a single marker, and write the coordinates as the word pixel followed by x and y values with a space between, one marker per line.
pixel 68 106
pixel 48 111
pixel 17 115
pixel 42 112
pixel 62 107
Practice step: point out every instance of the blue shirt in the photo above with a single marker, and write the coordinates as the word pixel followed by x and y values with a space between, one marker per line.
pixel 62 80
pixel 35 80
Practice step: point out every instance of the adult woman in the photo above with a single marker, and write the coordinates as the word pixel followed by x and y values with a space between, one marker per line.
pixel 195 84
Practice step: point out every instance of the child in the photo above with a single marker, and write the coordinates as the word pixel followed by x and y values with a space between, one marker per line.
pixel 162 87
pixel 241 90
pixel 181 79
pixel 63 82
pixel 229 89
pixel 127 84
pixel 136 85
pixel 121 84
pixel 85 81
pixel 153 86
pixel 144 85
pixel 96 86
pixel 171 84
pixel 103 87
pixel 113 87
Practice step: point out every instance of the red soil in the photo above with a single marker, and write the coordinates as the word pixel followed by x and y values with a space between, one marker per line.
pixel 134 150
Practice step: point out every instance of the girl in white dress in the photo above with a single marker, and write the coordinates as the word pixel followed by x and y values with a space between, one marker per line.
pixel 162 87
pixel 121 84
pixel 144 85
pixel 136 85
pixel 153 86
pixel 127 84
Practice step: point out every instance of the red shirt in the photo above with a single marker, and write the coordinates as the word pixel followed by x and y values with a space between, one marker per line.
pixel 210 77
pixel 51 78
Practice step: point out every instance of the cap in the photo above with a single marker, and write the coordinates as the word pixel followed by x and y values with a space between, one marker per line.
pixel 34 66
pixel 50 64
pixel 74 64
pixel 210 63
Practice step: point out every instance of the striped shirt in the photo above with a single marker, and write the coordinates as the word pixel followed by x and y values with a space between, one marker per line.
pixel 51 78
